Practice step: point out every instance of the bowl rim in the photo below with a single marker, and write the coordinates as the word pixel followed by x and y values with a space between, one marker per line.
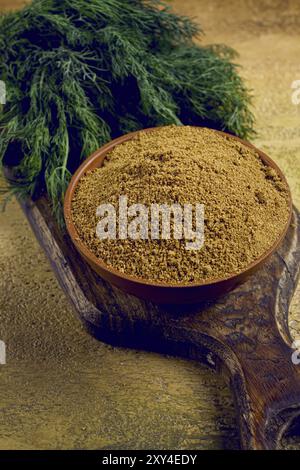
pixel 100 155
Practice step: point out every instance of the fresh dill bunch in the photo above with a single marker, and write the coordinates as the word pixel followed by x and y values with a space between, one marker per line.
pixel 80 72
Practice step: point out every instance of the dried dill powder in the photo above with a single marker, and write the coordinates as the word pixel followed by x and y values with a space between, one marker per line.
pixel 246 203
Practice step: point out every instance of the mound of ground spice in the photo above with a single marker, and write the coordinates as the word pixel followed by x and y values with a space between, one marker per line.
pixel 246 203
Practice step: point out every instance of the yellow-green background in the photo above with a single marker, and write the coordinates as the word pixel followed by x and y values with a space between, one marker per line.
pixel 63 389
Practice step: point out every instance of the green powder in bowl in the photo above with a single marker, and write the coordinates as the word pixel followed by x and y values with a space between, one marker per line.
pixel 246 203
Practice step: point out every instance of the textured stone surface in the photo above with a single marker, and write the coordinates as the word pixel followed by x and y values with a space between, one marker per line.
pixel 63 389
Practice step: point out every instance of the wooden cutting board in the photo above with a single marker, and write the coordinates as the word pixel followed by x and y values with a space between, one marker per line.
pixel 244 335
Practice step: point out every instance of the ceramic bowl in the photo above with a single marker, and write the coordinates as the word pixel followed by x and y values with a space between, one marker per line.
pixel 156 291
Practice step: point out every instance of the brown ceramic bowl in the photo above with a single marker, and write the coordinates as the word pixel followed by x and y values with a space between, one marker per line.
pixel 162 292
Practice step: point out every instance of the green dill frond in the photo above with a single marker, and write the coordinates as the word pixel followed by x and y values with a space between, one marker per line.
pixel 79 73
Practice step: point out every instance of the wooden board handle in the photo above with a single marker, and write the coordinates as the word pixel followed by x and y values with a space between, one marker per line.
pixel 248 330
pixel 265 382
pixel 272 391
pixel 262 346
